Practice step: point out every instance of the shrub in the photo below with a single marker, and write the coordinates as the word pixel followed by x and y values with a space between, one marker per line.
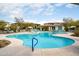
pixel 76 33
pixel 4 43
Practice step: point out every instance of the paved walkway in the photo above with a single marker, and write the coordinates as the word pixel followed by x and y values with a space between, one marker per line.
pixel 17 49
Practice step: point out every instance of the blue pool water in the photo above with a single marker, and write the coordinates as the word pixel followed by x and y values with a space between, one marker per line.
pixel 45 40
pixel 59 32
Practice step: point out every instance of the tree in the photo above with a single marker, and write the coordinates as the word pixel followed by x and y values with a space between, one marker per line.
pixel 45 28
pixel 2 25
pixel 14 27
pixel 68 22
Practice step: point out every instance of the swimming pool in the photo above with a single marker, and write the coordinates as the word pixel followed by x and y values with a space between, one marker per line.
pixel 58 32
pixel 45 40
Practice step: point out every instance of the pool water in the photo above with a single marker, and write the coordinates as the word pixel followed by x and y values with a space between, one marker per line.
pixel 59 32
pixel 45 40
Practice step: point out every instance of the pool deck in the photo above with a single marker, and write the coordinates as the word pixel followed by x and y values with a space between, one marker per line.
pixel 17 49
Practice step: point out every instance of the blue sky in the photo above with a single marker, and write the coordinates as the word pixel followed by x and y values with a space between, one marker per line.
pixel 38 12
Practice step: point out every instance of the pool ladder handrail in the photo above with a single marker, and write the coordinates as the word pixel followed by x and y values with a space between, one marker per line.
pixel 33 45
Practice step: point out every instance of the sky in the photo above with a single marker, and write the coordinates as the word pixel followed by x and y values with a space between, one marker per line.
pixel 38 12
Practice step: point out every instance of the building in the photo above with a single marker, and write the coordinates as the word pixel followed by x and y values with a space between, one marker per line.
pixel 54 26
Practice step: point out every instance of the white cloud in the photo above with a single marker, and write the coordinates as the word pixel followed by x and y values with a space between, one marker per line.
pixel 49 11
pixel 16 13
pixel 59 4
pixel 36 8
pixel 54 20
pixel 12 10
pixel 71 5
pixel 17 10
pixel 32 21
pixel 8 7
pixel 66 5
pixel 44 21
pixel 44 8
pixel 36 5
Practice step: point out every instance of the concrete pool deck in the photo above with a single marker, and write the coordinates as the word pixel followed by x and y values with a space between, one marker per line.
pixel 17 49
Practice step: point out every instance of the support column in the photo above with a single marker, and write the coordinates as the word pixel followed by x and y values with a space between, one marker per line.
pixel 62 27
pixel 56 27
pixel 50 28
pixel 40 28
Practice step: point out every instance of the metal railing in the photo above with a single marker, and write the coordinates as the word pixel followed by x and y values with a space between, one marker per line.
pixel 33 45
